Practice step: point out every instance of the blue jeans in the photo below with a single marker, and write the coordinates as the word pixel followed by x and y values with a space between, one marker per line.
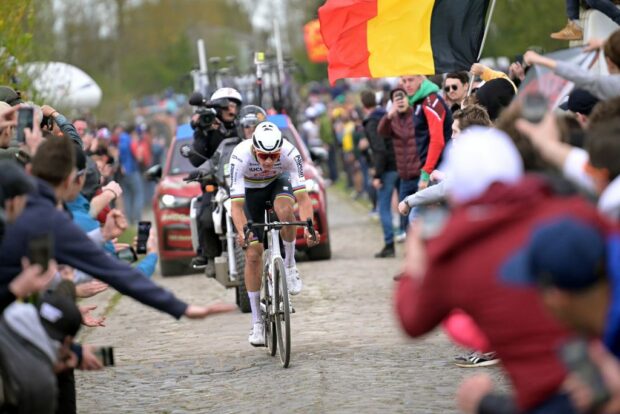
pixel 572 9
pixel 556 404
pixel 607 7
pixel 407 187
pixel 133 196
pixel 384 201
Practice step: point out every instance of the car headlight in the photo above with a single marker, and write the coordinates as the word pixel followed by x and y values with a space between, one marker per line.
pixel 170 201
pixel 312 186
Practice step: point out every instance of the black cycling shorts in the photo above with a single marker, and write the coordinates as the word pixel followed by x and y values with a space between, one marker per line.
pixel 256 199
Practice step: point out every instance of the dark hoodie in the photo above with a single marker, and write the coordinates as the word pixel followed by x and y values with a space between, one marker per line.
pixel 73 247
pixel 495 95
pixel 382 149
pixel 465 272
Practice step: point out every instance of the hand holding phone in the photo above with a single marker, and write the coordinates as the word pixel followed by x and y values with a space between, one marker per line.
pixel 576 357
pixel 40 250
pixel 144 228
pixel 535 106
pixel 25 116
pixel 105 354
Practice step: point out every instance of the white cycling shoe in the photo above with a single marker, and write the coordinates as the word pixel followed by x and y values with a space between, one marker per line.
pixel 293 281
pixel 257 335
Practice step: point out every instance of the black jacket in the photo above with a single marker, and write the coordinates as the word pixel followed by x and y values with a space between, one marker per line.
pixel 382 149
pixel 73 247
pixel 206 145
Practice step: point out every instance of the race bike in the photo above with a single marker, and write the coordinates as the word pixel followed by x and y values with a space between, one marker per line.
pixel 214 177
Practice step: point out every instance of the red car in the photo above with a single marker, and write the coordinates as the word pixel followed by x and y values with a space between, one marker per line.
pixel 315 187
pixel 173 197
pixel 171 208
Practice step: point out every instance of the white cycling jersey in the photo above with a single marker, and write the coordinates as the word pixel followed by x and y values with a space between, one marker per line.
pixel 246 171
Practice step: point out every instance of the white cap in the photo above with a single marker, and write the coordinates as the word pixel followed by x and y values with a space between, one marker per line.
pixel 479 157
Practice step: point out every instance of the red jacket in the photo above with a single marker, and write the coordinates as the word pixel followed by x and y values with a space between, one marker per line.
pixel 401 131
pixel 464 271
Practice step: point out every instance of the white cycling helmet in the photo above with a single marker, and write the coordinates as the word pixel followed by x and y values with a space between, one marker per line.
pixel 267 137
pixel 227 93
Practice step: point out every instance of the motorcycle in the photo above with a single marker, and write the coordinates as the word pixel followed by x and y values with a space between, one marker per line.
pixel 214 176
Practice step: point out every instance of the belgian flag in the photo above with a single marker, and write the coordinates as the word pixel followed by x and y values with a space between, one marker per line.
pixel 381 38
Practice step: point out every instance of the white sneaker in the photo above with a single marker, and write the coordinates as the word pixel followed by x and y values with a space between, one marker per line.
pixel 400 238
pixel 257 335
pixel 293 281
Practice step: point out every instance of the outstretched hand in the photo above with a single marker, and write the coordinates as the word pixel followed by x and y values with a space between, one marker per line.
pixel 201 312
pixel 90 320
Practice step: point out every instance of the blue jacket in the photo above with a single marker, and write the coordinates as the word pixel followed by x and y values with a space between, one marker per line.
pixel 126 158
pixel 80 210
pixel 73 247
pixel 611 336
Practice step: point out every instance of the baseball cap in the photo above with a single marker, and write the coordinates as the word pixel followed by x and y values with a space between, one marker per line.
pixel 13 180
pixel 480 157
pixel 10 96
pixel 580 101
pixel 59 315
pixel 566 253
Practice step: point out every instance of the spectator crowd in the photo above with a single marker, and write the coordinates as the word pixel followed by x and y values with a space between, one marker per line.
pixel 507 207
pixel 61 211
pixel 511 208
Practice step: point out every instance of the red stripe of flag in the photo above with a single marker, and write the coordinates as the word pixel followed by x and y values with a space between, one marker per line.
pixel 344 30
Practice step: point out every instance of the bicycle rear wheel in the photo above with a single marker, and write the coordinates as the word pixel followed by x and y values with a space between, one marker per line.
pixel 267 308
pixel 283 317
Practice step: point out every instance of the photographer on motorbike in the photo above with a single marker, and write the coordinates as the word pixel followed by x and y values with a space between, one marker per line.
pixel 213 122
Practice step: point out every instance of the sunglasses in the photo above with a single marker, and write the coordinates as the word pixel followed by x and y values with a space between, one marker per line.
pixel 454 88
pixel 264 156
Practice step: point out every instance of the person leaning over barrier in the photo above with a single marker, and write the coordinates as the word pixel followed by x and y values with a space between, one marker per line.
pixel 53 167
pixel 15 185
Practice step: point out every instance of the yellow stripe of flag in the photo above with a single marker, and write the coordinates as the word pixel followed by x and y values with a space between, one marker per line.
pixel 399 38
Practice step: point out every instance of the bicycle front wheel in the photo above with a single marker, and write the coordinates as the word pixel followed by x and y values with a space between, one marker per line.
pixel 267 307
pixel 283 316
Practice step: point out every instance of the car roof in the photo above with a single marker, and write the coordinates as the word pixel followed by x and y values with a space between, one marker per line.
pixel 280 120
pixel 184 131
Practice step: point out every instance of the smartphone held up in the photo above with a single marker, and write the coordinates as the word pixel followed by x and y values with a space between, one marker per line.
pixel 25 119
pixel 144 228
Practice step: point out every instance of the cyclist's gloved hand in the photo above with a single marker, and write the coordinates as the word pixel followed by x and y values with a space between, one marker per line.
pixel 242 241
pixel 310 241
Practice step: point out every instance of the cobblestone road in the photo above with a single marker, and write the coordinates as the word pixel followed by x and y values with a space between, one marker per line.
pixel 348 356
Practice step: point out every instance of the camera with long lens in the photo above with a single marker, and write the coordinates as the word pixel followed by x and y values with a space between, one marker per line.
pixel 206 116
pixel 207 110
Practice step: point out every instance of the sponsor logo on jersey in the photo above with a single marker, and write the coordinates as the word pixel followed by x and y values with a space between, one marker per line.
pixel 300 166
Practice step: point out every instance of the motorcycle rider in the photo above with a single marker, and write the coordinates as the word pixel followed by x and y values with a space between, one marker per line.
pixel 209 132
pixel 249 117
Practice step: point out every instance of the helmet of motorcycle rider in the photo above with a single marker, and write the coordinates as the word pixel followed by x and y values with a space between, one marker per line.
pixel 267 138
pixel 225 95
pixel 252 115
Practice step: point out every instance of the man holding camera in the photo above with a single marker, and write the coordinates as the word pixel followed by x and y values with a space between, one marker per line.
pixel 213 122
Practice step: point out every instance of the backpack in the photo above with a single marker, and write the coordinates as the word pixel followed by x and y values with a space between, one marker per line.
pixel 28 380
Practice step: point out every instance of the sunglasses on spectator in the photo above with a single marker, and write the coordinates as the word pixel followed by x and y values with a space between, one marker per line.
pixel 454 88
pixel 264 156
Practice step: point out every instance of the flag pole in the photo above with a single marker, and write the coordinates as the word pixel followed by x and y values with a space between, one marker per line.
pixel 484 39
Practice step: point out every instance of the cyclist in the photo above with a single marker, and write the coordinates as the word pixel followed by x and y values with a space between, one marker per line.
pixel 267 168
pixel 207 137
pixel 249 117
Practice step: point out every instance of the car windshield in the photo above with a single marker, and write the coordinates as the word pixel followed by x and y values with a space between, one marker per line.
pixel 178 163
